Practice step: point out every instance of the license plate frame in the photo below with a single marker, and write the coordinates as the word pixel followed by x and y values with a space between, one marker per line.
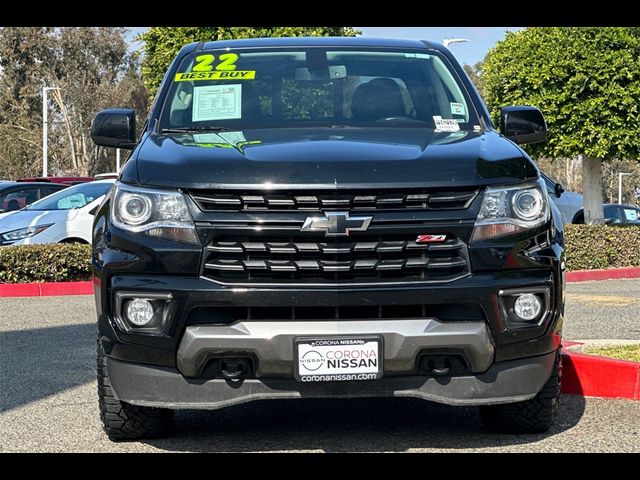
pixel 324 345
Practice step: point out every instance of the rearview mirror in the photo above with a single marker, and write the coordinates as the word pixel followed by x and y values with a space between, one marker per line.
pixel 114 128
pixel 559 189
pixel 332 72
pixel 523 125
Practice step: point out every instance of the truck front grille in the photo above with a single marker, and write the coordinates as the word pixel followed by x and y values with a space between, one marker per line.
pixel 363 257
pixel 417 199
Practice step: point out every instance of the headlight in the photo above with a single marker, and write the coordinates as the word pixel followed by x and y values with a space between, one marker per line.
pixel 511 210
pixel 22 233
pixel 134 209
pixel 159 213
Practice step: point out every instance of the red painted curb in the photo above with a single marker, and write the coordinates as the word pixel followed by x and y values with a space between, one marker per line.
pixel 593 376
pixel 45 289
pixel 66 288
pixel 19 290
pixel 603 274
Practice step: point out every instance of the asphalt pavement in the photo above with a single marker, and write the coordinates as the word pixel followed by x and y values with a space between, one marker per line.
pixel 48 399
pixel 607 309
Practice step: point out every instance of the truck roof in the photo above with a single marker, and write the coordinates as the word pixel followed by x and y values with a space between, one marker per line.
pixel 316 42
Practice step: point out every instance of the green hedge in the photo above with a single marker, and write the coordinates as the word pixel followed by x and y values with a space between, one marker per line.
pixel 588 247
pixel 59 262
pixel 601 246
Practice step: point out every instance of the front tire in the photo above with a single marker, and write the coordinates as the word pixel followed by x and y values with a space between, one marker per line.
pixel 531 416
pixel 123 421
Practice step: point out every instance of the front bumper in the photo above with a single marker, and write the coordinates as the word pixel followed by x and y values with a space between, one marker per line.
pixel 504 382
pixel 271 343
pixel 189 293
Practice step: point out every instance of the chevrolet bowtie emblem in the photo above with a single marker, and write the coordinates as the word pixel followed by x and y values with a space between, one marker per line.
pixel 336 224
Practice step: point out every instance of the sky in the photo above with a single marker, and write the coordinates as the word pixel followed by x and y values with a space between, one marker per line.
pixel 481 39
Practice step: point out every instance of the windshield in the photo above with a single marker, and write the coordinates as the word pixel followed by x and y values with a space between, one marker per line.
pixel 73 197
pixel 219 90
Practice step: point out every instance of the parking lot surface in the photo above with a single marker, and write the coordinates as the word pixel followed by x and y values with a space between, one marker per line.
pixel 48 396
pixel 601 310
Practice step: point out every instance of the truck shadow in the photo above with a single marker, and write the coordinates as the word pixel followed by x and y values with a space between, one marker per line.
pixel 353 425
pixel 40 362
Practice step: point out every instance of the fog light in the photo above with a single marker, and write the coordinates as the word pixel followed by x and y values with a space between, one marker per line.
pixel 527 306
pixel 139 312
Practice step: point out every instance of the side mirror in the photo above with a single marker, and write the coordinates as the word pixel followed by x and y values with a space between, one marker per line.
pixel 114 128
pixel 559 189
pixel 523 125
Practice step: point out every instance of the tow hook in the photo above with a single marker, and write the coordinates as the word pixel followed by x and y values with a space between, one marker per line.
pixel 437 366
pixel 233 368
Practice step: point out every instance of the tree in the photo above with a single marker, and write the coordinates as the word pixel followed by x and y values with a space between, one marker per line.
pixel 567 171
pixel 475 75
pixel 24 53
pixel 162 44
pixel 630 183
pixel 587 83
pixel 92 68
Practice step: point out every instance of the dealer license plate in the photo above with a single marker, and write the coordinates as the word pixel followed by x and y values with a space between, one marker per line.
pixel 336 359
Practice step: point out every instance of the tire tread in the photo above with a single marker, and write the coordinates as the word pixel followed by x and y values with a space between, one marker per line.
pixel 531 416
pixel 123 421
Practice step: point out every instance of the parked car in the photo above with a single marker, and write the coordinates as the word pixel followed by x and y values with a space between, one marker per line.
pixel 17 195
pixel 570 204
pixel 617 214
pixel 62 180
pixel 65 216
pixel 335 217
pixel 104 176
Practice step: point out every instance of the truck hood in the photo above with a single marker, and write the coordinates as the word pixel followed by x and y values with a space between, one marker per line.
pixel 329 157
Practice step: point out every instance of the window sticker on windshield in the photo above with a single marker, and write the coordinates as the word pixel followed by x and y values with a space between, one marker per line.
pixel 417 55
pixel 217 102
pixel 221 140
pixel 222 137
pixel 210 139
pixel 457 108
pixel 204 62
pixel 225 69
pixel 216 75
pixel 631 214
pixel 446 124
pixel 233 137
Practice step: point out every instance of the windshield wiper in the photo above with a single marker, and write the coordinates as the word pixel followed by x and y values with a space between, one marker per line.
pixel 194 129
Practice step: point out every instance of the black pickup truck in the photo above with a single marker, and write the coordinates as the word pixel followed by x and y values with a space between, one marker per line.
pixel 325 217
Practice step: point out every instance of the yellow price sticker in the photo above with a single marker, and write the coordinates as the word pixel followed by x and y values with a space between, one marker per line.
pixel 216 75
pixel 204 63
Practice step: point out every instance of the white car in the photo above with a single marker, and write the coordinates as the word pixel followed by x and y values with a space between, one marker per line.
pixel 65 216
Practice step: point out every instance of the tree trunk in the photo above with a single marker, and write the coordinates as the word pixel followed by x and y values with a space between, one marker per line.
pixel 67 125
pixel 592 185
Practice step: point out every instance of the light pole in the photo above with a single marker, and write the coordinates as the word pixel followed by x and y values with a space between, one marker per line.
pixel 448 41
pixel 620 175
pixel 45 126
